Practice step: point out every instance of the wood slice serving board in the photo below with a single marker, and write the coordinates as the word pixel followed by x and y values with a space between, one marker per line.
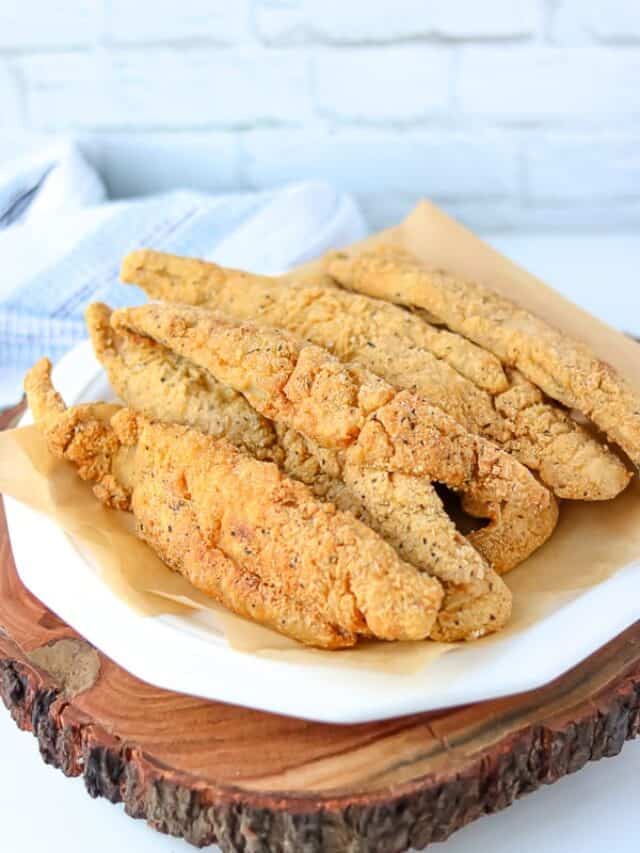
pixel 258 782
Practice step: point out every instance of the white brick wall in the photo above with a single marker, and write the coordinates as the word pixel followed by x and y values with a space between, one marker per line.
pixel 164 87
pixel 511 113
pixel 28 24
pixel 10 105
pixel 543 83
pixel 399 84
pixel 345 22
pixel 578 22
pixel 451 164
pixel 584 169
pixel 220 21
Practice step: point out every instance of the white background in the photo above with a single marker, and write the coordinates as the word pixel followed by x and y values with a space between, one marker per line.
pixel 512 114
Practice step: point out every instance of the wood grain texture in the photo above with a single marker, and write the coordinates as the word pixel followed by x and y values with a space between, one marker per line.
pixel 258 782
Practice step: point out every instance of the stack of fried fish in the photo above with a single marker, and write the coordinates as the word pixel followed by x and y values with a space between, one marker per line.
pixel 292 447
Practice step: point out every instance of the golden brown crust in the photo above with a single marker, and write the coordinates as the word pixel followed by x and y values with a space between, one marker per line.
pixel 81 434
pixel 346 408
pixel 299 385
pixel 156 382
pixel 153 380
pixel 469 360
pixel 398 346
pixel 176 279
pixel 412 436
pixel 243 532
pixel 304 550
pixel 401 508
pixel 397 506
pixel 490 611
pixel 545 438
pixel 564 369
pixel 44 401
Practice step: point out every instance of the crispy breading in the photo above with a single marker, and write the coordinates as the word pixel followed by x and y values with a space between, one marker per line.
pixel 155 381
pixel 563 368
pixel 401 508
pixel 344 407
pixel 158 383
pixel 240 530
pixel 405 510
pixel 391 342
pixel 491 609
pixel 386 339
pixel 407 434
pixel 177 279
pixel 545 438
pixel 82 434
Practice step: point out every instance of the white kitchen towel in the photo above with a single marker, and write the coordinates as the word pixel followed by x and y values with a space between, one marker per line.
pixel 61 244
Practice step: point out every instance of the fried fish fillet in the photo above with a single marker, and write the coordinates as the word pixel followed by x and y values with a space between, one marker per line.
pixel 404 509
pixel 393 343
pixel 346 408
pixel 564 369
pixel 177 279
pixel 156 381
pixel 238 529
pixel 163 386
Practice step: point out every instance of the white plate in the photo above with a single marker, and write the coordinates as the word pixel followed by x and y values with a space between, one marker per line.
pixel 156 648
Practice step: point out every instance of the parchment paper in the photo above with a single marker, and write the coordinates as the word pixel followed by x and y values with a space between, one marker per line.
pixel 592 540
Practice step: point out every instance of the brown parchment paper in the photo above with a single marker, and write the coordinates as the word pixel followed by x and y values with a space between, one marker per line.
pixel 592 540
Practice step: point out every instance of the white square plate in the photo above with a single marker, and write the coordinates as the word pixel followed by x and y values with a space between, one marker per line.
pixel 155 649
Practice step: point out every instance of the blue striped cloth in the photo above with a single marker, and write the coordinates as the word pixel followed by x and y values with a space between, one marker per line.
pixel 61 245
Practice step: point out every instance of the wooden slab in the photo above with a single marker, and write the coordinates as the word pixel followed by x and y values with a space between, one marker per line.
pixel 258 782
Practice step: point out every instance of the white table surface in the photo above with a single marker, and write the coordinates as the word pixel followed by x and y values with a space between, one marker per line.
pixel 592 811
pixel 598 272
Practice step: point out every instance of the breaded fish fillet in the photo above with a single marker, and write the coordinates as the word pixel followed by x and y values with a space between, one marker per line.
pixel 392 343
pixel 238 529
pixel 177 279
pixel 405 510
pixel 152 379
pixel 163 386
pixel 346 408
pixel 564 369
